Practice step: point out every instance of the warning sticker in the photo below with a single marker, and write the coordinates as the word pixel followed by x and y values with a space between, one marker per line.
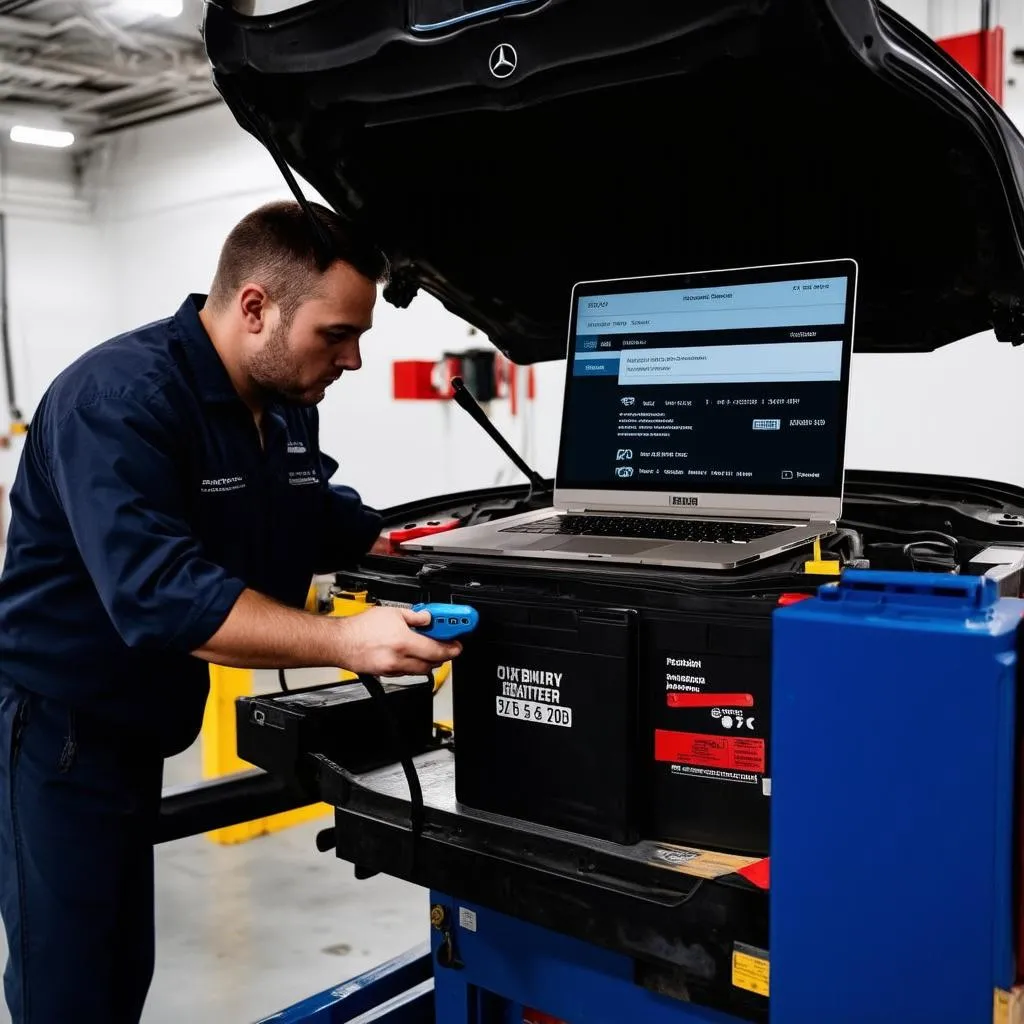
pixel 1008 1007
pixel 1001 1007
pixel 728 753
pixel 699 863
pixel 750 969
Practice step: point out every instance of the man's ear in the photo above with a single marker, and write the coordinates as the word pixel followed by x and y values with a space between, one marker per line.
pixel 254 305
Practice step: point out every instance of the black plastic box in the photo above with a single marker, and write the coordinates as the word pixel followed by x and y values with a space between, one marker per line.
pixel 339 720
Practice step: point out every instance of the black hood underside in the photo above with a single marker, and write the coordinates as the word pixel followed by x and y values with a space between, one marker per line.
pixel 645 138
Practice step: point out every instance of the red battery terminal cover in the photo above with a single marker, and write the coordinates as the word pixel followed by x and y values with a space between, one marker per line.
pixel 400 534
pixel 787 599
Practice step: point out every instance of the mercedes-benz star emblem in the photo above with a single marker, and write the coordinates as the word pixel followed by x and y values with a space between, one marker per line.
pixel 503 60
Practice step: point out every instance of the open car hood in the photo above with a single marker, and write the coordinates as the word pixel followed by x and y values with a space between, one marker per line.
pixel 642 137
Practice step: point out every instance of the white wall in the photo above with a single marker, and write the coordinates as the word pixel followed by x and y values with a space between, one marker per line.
pixel 58 292
pixel 955 411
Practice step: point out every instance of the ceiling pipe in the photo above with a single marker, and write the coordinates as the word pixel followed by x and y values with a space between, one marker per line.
pixel 96 75
pixel 149 76
pixel 39 76
pixel 102 28
pixel 14 5
pixel 23 27
pixel 149 114
pixel 158 84
pixel 13 107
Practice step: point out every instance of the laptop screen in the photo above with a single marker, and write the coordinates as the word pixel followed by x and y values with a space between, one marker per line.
pixel 723 382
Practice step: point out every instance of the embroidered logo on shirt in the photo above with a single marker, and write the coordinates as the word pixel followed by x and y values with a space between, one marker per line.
pixel 302 478
pixel 222 484
pixel 296 448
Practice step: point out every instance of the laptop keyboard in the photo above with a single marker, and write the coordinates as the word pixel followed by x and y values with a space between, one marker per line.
pixel 701 531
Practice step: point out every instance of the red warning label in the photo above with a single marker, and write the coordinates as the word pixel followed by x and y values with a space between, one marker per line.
pixel 733 753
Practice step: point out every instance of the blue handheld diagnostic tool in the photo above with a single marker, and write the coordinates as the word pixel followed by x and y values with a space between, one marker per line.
pixel 450 620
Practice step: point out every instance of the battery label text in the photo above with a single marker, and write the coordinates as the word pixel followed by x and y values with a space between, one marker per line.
pixel 531 711
pixel 684 681
pixel 530 684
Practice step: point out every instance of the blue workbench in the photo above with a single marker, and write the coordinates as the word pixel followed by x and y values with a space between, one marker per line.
pixel 894 740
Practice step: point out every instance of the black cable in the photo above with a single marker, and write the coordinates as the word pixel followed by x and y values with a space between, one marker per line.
pixel 935 547
pixel 905 542
pixel 379 697
pixel 907 536
pixel 281 679
pixel 856 540
pixel 698 885
pixel 848 544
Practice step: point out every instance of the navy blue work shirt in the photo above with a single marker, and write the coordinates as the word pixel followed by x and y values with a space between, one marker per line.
pixel 143 506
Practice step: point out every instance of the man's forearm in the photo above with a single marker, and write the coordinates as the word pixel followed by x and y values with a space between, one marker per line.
pixel 260 633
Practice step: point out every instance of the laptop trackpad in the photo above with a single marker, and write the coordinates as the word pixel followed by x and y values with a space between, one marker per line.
pixel 605 545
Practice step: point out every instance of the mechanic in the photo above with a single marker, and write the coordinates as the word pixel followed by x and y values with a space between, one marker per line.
pixel 170 509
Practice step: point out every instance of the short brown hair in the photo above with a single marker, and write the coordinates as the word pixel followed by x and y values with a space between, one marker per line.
pixel 277 246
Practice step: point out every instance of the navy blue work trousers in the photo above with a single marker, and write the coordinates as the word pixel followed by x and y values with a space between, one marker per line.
pixel 78 808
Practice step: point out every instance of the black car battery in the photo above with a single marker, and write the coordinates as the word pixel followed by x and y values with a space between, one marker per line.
pixel 667 683
pixel 546 715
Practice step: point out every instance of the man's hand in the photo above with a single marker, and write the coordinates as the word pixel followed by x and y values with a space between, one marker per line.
pixel 380 642
pixel 261 633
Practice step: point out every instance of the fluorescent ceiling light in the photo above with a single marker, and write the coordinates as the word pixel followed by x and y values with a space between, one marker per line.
pixel 163 8
pixel 41 137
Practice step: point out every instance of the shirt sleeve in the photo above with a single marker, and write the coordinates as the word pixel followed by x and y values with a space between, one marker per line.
pixel 349 527
pixel 114 469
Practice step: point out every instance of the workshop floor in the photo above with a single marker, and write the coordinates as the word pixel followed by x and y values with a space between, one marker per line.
pixel 244 931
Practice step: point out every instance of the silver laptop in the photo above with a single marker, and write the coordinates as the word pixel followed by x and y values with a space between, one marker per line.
pixel 704 422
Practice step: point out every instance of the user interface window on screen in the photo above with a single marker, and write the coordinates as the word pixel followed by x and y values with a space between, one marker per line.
pixel 708 389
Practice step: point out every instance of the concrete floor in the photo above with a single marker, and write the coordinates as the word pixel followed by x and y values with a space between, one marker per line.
pixel 245 931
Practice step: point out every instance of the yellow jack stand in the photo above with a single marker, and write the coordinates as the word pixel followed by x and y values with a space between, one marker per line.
pixel 220 757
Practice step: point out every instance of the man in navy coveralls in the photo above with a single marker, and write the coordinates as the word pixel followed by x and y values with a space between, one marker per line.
pixel 170 509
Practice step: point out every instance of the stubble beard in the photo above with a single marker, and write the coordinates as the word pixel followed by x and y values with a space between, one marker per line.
pixel 274 371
